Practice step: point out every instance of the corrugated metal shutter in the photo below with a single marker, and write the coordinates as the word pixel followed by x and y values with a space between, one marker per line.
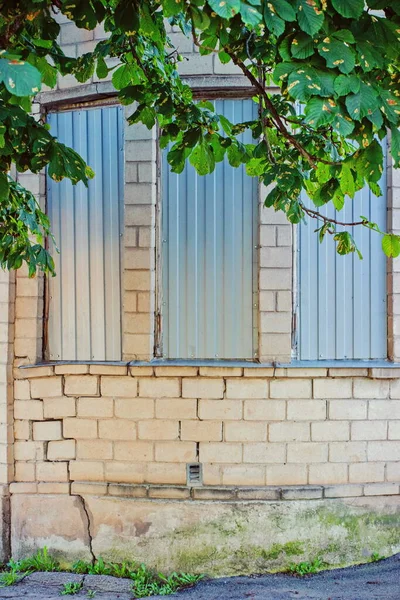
pixel 208 256
pixel 342 299
pixel 85 296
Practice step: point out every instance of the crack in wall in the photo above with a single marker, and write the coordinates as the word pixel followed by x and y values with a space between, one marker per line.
pixel 88 526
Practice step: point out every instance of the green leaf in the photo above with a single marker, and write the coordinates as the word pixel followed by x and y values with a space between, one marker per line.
pixel 191 137
pixel 282 71
pixel 19 77
pixel 173 7
pixel 82 13
pixel 363 103
pixel 376 118
pixel 295 213
pixel 237 154
pixel 200 18
pixel 84 68
pixel 218 149
pixel 284 48
pixel 225 8
pixel 370 163
pixel 303 82
pixel 148 25
pixel 320 111
pixel 101 68
pixel 343 124
pixel 43 43
pixel 65 162
pixel 337 55
pixel 275 24
pixel 226 125
pixel 323 172
pixel 370 58
pixel 347 181
pixel 4 187
pixel 148 116
pixel 375 188
pixel 391 105
pixel 224 57
pixel 206 104
pixel 309 16
pixel 255 167
pixel 202 159
pixel 350 9
pixel 176 158
pixel 346 84
pixel 395 146
pixel 327 80
pixel 124 76
pixel 391 245
pixel 284 9
pixel 302 46
pixel 47 71
pixel 338 199
pixel 345 243
pixel 250 14
pixel 126 16
pixel 344 35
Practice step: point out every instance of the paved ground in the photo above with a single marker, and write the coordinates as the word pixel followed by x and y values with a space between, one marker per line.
pixel 376 581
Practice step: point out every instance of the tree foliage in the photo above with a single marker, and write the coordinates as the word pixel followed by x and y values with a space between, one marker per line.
pixel 335 64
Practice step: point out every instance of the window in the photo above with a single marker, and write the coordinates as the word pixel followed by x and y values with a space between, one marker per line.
pixel 85 297
pixel 342 299
pixel 209 281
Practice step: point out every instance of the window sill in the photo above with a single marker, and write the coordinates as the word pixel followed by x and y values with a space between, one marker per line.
pixel 296 364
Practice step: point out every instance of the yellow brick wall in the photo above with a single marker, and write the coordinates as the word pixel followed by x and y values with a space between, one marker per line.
pixel 142 425
pixel 79 426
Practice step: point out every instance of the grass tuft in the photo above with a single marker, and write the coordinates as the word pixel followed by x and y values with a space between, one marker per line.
pixel 71 588
pixel 41 561
pixel 307 567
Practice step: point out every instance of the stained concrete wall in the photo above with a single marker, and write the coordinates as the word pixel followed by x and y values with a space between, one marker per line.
pixel 214 537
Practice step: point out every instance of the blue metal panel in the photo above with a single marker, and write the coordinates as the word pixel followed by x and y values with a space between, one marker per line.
pixel 85 296
pixel 209 239
pixel 342 299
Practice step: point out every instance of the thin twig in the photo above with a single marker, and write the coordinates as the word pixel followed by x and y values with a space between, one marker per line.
pixel 316 215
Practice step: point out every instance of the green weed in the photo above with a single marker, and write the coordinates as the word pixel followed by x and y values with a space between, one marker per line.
pixel 307 568
pixel 375 557
pixel 10 578
pixel 91 593
pixel 70 589
pixel 100 567
pixel 146 583
pixel 41 561
pixel 80 567
pixel 123 569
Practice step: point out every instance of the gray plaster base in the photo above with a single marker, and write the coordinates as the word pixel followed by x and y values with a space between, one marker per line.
pixel 215 538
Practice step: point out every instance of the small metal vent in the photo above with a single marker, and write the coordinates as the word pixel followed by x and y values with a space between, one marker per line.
pixel 194 474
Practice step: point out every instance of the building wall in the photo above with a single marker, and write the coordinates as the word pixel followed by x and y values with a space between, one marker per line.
pixel 250 427
pixel 94 433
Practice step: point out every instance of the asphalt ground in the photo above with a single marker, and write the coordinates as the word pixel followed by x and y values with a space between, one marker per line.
pixel 374 581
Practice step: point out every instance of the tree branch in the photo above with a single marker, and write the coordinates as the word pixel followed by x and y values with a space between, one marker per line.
pixel 275 115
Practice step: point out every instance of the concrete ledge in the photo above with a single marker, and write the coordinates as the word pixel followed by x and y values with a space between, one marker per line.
pixel 219 493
